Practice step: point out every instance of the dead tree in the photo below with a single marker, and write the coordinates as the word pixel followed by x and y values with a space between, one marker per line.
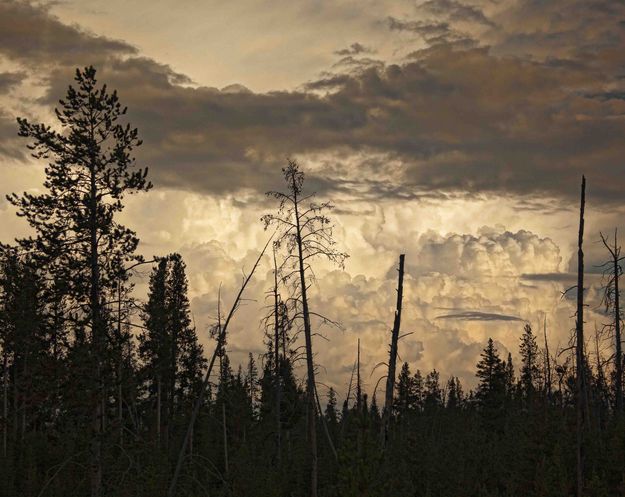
pixel 358 382
pixel 392 361
pixel 579 349
pixel 171 492
pixel 276 356
pixel 306 233
pixel 548 380
pixel 611 300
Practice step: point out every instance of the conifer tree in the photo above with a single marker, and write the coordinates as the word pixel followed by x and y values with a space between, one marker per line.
pixel 433 394
pixel 530 371
pixel 491 373
pixel 404 399
pixel 331 412
pixel 77 238
pixel 169 347
pixel 455 395
pixel 509 377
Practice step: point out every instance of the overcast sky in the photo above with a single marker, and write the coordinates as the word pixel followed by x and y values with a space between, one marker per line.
pixel 454 132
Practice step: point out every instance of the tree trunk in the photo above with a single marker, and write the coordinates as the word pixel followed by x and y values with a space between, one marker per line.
pixel 5 403
pixel 225 433
pixel 358 384
pixel 171 394
pixel 23 394
pixel 158 411
pixel 96 332
pixel 547 362
pixel 579 329
pixel 617 333
pixel 392 362
pixel 120 408
pixel 278 375
pixel 310 366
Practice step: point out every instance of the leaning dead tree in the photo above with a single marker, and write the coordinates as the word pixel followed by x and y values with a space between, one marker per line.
pixel 305 233
pixel 611 300
pixel 221 338
pixel 579 349
pixel 392 361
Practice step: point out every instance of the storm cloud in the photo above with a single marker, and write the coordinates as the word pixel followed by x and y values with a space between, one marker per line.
pixel 479 119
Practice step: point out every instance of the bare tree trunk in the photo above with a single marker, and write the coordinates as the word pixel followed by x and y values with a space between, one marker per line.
pixel 5 404
pixel 358 384
pixel 277 367
pixel 600 379
pixel 547 361
pixel 310 366
pixel 392 362
pixel 617 332
pixel 579 328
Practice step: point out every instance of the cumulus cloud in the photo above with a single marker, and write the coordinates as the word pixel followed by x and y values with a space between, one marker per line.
pixel 480 306
pixel 491 254
pixel 493 116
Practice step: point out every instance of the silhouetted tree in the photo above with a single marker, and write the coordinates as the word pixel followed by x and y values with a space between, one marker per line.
pixel 306 233
pixel 77 238
pixel 491 372
pixel 611 299
pixel 530 371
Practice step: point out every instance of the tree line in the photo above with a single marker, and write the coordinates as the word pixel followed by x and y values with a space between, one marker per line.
pixel 107 395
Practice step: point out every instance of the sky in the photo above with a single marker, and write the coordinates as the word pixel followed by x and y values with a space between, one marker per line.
pixel 454 132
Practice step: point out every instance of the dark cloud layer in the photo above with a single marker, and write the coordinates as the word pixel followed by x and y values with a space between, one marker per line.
pixel 29 33
pixel 503 117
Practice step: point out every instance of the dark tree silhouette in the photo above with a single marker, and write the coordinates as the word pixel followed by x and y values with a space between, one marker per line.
pixel 392 360
pixel 78 240
pixel 306 233
pixel 612 301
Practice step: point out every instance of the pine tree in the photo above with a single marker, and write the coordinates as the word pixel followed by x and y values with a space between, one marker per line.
pixel 331 413
pixel 418 385
pixel 455 395
pixel 433 393
pixel 153 343
pixel 251 381
pixel 25 354
pixel 529 362
pixel 492 377
pixel 187 357
pixel 509 377
pixel 404 399
pixel 77 238
pixel 169 347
